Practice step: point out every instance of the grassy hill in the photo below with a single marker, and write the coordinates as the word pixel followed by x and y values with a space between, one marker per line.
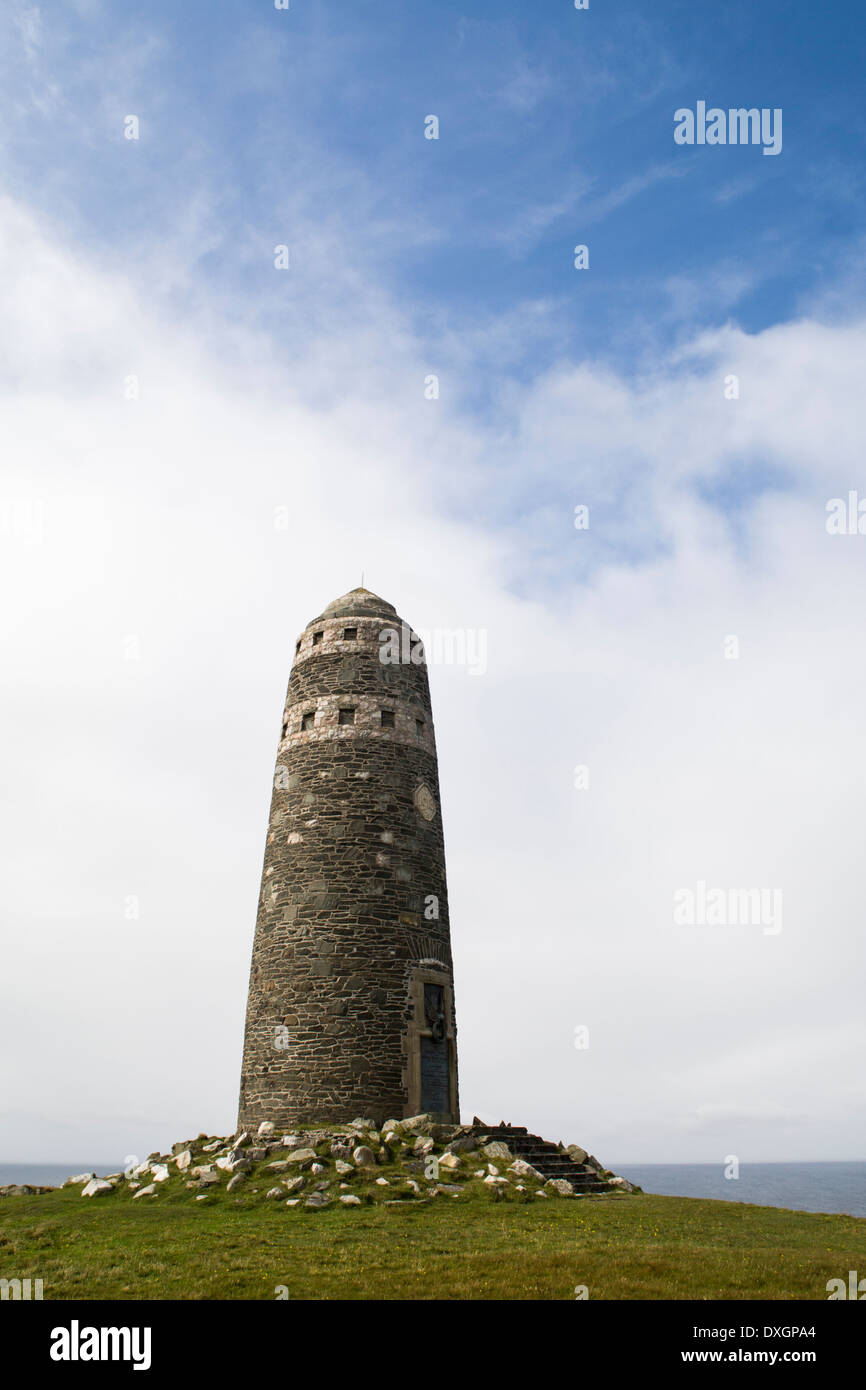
pixel 482 1244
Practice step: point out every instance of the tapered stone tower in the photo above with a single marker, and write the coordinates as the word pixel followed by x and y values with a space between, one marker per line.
pixel 351 1002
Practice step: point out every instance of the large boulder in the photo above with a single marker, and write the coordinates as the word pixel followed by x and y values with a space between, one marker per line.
pixel 561 1186
pixel 234 1162
pixel 302 1158
pixel 622 1183
pixel 525 1170
pixel 364 1157
pixel 465 1145
pixel 497 1150
pixel 366 1131
pixel 418 1124
pixel 97 1187
pixel 443 1133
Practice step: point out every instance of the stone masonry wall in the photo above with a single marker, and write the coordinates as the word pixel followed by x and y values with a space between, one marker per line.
pixel 353 895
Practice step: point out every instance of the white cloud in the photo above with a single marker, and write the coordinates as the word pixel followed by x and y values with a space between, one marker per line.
pixel 149 778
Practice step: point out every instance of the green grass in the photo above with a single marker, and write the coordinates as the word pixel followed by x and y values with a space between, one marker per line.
pixel 472 1247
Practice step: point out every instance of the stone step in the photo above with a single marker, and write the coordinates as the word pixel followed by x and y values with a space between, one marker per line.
pixel 544 1156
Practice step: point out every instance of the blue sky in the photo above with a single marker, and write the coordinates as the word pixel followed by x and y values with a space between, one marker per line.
pixel 145 523
pixel 556 128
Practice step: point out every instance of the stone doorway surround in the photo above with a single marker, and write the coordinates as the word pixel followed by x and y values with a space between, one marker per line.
pixel 422 975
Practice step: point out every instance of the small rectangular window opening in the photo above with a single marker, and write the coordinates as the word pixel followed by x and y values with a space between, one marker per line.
pixel 307 720
pixel 350 634
pixel 419 726
pixel 387 719
pixel 317 637
pixel 347 716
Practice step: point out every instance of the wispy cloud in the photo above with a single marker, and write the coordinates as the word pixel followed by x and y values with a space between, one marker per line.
pixel 167 392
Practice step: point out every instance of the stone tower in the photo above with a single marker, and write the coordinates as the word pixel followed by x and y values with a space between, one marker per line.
pixel 351 1000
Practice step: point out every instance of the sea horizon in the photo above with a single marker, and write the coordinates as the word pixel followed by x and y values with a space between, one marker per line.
pixel 832 1186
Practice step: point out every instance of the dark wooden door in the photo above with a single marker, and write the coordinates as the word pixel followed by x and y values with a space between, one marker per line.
pixel 435 1089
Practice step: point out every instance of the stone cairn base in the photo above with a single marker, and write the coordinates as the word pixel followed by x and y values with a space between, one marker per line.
pixel 401 1161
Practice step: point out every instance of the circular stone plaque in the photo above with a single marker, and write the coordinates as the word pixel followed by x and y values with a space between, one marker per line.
pixel 425 801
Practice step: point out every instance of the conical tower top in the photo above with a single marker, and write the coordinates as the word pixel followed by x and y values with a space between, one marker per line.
pixel 358 603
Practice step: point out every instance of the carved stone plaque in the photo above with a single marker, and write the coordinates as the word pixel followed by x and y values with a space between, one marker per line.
pixel 425 801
